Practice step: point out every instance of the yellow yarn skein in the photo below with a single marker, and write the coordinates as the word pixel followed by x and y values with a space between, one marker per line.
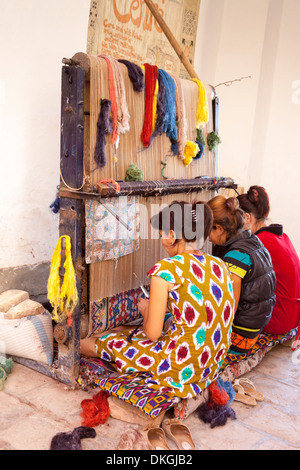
pixel 62 298
pixel 202 114
pixel 191 149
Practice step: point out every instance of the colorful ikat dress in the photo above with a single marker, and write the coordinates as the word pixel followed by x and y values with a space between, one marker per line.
pixel 187 357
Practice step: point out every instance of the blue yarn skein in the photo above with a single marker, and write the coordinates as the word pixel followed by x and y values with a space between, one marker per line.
pixel 170 127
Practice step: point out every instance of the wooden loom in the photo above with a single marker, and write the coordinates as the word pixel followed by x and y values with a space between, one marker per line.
pixel 84 83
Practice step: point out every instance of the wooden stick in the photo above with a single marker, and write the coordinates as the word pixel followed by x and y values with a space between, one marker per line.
pixel 174 43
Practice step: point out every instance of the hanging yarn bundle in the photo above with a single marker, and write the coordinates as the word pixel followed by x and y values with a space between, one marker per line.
pixel 151 75
pixel 202 115
pixel 191 150
pixel 213 140
pixel 200 140
pixel 96 410
pixel 216 410
pixel 134 173
pixel 63 298
pixel 170 123
pixel 71 440
pixel 103 128
pixel 135 74
pixel 160 109
pixel 54 207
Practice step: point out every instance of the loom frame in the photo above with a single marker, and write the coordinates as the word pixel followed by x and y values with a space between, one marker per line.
pixel 72 147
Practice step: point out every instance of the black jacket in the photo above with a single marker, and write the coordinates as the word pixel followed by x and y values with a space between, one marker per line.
pixel 257 297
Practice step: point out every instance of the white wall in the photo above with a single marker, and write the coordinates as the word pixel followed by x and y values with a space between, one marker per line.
pixel 34 36
pixel 259 119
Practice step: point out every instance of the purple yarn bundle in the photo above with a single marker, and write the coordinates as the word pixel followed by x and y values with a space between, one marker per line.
pixel 71 440
pixel 104 127
pixel 135 74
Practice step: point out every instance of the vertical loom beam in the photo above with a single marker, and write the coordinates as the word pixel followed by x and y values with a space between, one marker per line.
pixel 71 210
pixel 215 109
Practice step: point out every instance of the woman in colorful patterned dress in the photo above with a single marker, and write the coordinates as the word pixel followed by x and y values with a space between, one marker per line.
pixel 196 289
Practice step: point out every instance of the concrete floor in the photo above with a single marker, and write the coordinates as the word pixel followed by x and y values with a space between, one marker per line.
pixel 34 407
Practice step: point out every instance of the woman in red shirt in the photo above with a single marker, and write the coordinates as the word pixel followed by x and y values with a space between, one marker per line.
pixel 286 263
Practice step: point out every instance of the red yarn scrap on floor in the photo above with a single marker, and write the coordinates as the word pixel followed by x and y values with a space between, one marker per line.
pixel 217 395
pixel 96 410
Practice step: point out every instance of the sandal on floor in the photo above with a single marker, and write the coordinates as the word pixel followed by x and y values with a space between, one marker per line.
pixel 156 439
pixel 250 389
pixel 241 396
pixel 179 433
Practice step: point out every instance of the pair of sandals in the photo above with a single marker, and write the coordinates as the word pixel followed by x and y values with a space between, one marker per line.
pixel 174 430
pixel 246 392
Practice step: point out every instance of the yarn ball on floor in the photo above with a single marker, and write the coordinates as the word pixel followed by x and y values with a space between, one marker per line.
pixel 216 415
pixel 96 410
pixel 71 440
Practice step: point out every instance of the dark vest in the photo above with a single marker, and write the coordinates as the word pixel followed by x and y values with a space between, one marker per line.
pixel 257 290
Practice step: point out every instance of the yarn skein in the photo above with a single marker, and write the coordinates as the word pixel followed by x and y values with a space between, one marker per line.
pixel 71 440
pixel 63 298
pixel 95 411
pixel 103 128
pixel 151 74
pixel 134 173
pixel 135 74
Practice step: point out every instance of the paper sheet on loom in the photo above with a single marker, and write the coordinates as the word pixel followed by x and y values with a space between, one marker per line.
pixel 113 276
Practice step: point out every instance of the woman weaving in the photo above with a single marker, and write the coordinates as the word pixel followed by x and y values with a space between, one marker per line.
pixel 196 289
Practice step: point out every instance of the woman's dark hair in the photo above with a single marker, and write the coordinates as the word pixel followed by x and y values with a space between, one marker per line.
pixel 256 202
pixel 190 221
pixel 228 214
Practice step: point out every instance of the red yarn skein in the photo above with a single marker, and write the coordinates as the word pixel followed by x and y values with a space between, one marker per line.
pixel 151 74
pixel 96 410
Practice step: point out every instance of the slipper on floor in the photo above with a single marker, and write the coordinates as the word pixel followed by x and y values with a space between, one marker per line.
pixel 241 396
pixel 179 433
pixel 249 389
pixel 156 439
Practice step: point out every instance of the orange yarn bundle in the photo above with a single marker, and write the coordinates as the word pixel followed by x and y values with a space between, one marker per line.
pixel 96 410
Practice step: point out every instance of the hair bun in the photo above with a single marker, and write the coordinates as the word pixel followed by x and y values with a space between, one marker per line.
pixel 232 204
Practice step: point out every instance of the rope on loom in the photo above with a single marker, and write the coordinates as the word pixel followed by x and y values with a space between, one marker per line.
pixel 63 298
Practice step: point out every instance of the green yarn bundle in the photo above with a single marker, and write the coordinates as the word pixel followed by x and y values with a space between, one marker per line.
pixel 6 366
pixel 213 140
pixel 134 173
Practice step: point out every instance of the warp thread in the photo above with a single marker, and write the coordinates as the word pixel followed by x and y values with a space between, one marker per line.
pixel 135 74
pixel 71 440
pixel 104 127
pixel 114 103
pixel 63 298
pixel 216 410
pixel 134 173
pixel 96 410
pixel 178 147
pixel 151 74
pixel 202 114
